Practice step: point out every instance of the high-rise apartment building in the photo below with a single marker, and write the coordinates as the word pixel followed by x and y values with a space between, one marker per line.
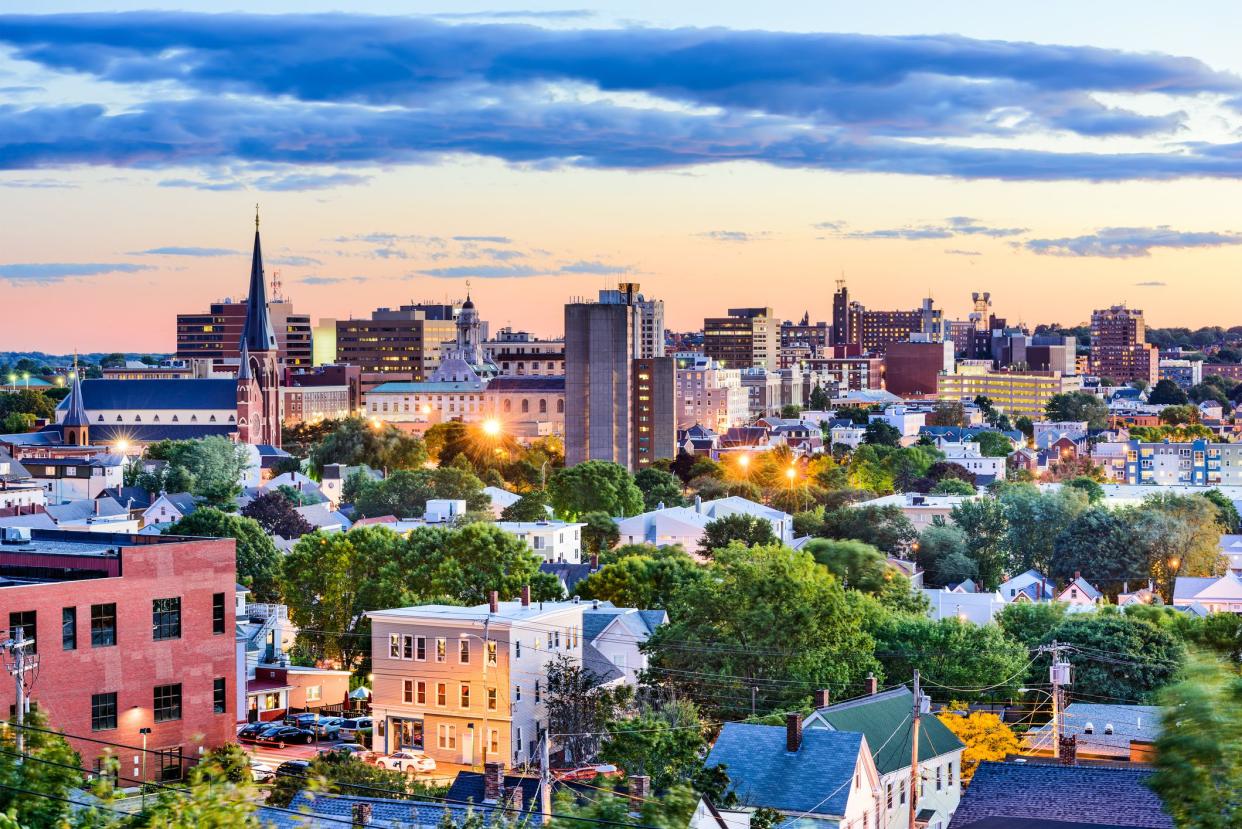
pixel 1119 347
pixel 709 394
pixel 618 401
pixel 648 321
pixel 872 331
pixel 407 340
pixel 216 335
pixel 747 337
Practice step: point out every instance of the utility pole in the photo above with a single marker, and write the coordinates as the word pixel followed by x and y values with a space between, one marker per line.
pixel 914 749
pixel 1058 674
pixel 545 782
pixel 18 664
pixel 754 690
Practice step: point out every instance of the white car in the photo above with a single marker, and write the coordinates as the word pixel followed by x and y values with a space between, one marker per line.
pixel 409 762
pixel 261 772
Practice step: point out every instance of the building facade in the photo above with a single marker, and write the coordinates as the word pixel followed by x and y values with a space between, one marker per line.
pixel 913 368
pixel 1198 463
pixel 1017 393
pixel 709 394
pixel 1119 347
pixel 747 337
pixel 216 335
pixel 406 340
pixel 522 353
pixel 130 632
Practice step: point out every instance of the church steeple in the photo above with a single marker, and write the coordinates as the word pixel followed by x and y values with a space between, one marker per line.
pixel 76 425
pixel 257 335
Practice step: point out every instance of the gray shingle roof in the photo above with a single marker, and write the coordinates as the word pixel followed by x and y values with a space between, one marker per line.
pixel 815 779
pixel 1129 722
pixel 385 813
pixel 157 394
pixel 1085 794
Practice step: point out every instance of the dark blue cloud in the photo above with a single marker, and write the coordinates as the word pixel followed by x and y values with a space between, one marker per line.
pixel 346 90
pixel 1130 242
pixel 46 272
pixel 173 250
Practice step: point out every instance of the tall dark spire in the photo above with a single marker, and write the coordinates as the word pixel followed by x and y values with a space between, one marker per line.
pixel 75 410
pixel 257 335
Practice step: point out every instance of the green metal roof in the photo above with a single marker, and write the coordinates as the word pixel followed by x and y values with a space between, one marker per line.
pixel 877 717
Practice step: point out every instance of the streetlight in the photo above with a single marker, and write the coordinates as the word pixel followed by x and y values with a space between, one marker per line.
pixel 491 427
pixel 1174 563
pixel 144 732
pixel 122 446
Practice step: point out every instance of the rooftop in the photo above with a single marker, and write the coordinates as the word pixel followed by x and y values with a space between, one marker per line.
pixel 506 612
pixel 876 716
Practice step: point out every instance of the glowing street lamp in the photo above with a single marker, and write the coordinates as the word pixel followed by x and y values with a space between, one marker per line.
pixel 122 446
pixel 491 427
pixel 743 461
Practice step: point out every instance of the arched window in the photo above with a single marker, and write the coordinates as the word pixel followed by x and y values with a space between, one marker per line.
pixel 174 420
pixel 137 418
pixel 525 405
pixel 506 405
pixel 212 419
pixel 560 406
pixel 543 406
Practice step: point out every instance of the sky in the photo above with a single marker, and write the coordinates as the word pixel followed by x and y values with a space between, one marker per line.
pixel 1064 157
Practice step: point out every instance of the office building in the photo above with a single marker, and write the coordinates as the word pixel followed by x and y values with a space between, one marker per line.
pixel 1185 373
pixel 872 331
pixel 1119 347
pixel 1017 393
pixel 1053 352
pixel 914 367
pixel 850 373
pixel 522 353
pixel 648 317
pixel 619 404
pixel 803 340
pixel 746 337
pixel 216 335
pixel 405 341
pixel 130 632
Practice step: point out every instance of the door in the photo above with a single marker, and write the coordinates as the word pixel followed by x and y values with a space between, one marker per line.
pixel 467 746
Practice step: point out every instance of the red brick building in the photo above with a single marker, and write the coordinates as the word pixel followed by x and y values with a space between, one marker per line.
pixel 130 632
pixel 1119 347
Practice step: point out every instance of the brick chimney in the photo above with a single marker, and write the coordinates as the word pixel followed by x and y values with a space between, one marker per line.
pixel 526 595
pixel 793 731
pixel 361 814
pixel 1069 750
pixel 493 602
pixel 821 698
pixel 873 685
pixel 594 562
pixel 493 781
pixel 1077 575
pixel 640 788
pixel 515 800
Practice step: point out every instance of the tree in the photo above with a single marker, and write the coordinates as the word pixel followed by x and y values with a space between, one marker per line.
pixel 879 433
pixel 50 771
pixel 214 466
pixel 277 516
pixel 986 738
pixel 1177 533
pixel 855 564
pixel 1030 623
pixel 791 410
pixel 465 564
pixel 663 741
pixel 654 580
pixel 1026 426
pixel 594 486
pixel 403 494
pixel 330 581
pixel 533 506
pixel 765 614
pixel 288 465
pixel 1180 415
pixel 659 487
pixel 884 527
pixel 600 533
pixel 984 523
pixel 258 560
pixel 1166 393
pixel 949 652
pixel 209 800
pixel 1033 520
pixel 942 553
pixel 952 486
pixel 1119 656
pixel 1226 513
pixel 579 706
pixel 17 422
pixel 355 442
pixel 1198 765
pixel 1088 487
pixel 1075 406
pixel 27 401
pixel 993 444
pixel 740 528
pixel 1098 543
pixel 947 414
pixel 819 400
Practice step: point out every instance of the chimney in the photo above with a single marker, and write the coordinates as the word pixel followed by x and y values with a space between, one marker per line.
pixel 873 686
pixel 361 814
pixel 493 781
pixel 493 602
pixel 698 503
pixel 515 799
pixel 821 698
pixel 97 506
pixel 640 788
pixel 526 595
pixel 1077 575
pixel 594 562
pixel 793 731
pixel 1069 750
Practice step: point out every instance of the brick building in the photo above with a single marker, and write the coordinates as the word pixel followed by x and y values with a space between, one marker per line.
pixel 216 335
pixel 1119 347
pixel 130 632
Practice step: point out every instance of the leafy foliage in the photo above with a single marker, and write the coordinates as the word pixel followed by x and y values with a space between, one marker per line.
pixel 659 487
pixel 885 528
pixel 1119 656
pixel 950 652
pixel 355 442
pixel 258 560
pixel 663 741
pixel 985 735
pixel 276 515
pixel 740 528
pixel 594 486
pixel 1078 405
pixel 210 467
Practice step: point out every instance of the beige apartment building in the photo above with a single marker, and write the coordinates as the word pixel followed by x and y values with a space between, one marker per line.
pixel 1016 393
pixel 466 684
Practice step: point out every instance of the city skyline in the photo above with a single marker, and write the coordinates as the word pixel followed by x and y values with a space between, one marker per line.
pixel 1062 168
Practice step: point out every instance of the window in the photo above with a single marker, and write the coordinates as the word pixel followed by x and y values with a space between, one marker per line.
pixel 517 741
pixel 407 647
pixel 517 695
pixel 491 653
pixel 465 695
pixel 495 742
pixel 939 782
pixel 491 699
pixel 517 649
pixel 166 619
pixel 407 691
pixel 103 625
pixel 421 688
pixel 888 795
pixel 463 651
pixel 168 762
pixel 950 767
pixel 537 695
pixel 103 712
pixel 448 736
pixel 556 639
pixel 441 649
pixel 420 648
pixel 167 702
pixel 69 629
pixel 217 613
pixel 902 798
pixel 394 646
pixel 24 620
pixel 441 694
pixel 219 695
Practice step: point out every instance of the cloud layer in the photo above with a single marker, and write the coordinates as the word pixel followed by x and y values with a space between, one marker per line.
pixel 47 272
pixel 346 90
pixel 1129 242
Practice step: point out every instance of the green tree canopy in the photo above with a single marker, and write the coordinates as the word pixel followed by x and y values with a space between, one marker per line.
pixel 600 533
pixel 1120 657
pixel 993 444
pixel 855 564
pixel 258 560
pixel 50 771
pixel 532 506
pixel 594 486
pixel 986 527
pixel 276 514
pixel 1078 405
pixel 1033 520
pixel 949 652
pixel 942 553
pixel 663 741
pixel 355 442
pixel 736 528
pixel 1098 543
pixel 1166 393
pixel 644 581
pixel 886 527
pixel 659 487
pixel 465 564
pixel 212 465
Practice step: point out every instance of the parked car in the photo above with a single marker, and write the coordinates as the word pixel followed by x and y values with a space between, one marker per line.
pixel 285 735
pixel 407 761
pixel 255 732
pixel 349 728
pixel 293 768
pixel 327 727
pixel 261 772
pixel 352 750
